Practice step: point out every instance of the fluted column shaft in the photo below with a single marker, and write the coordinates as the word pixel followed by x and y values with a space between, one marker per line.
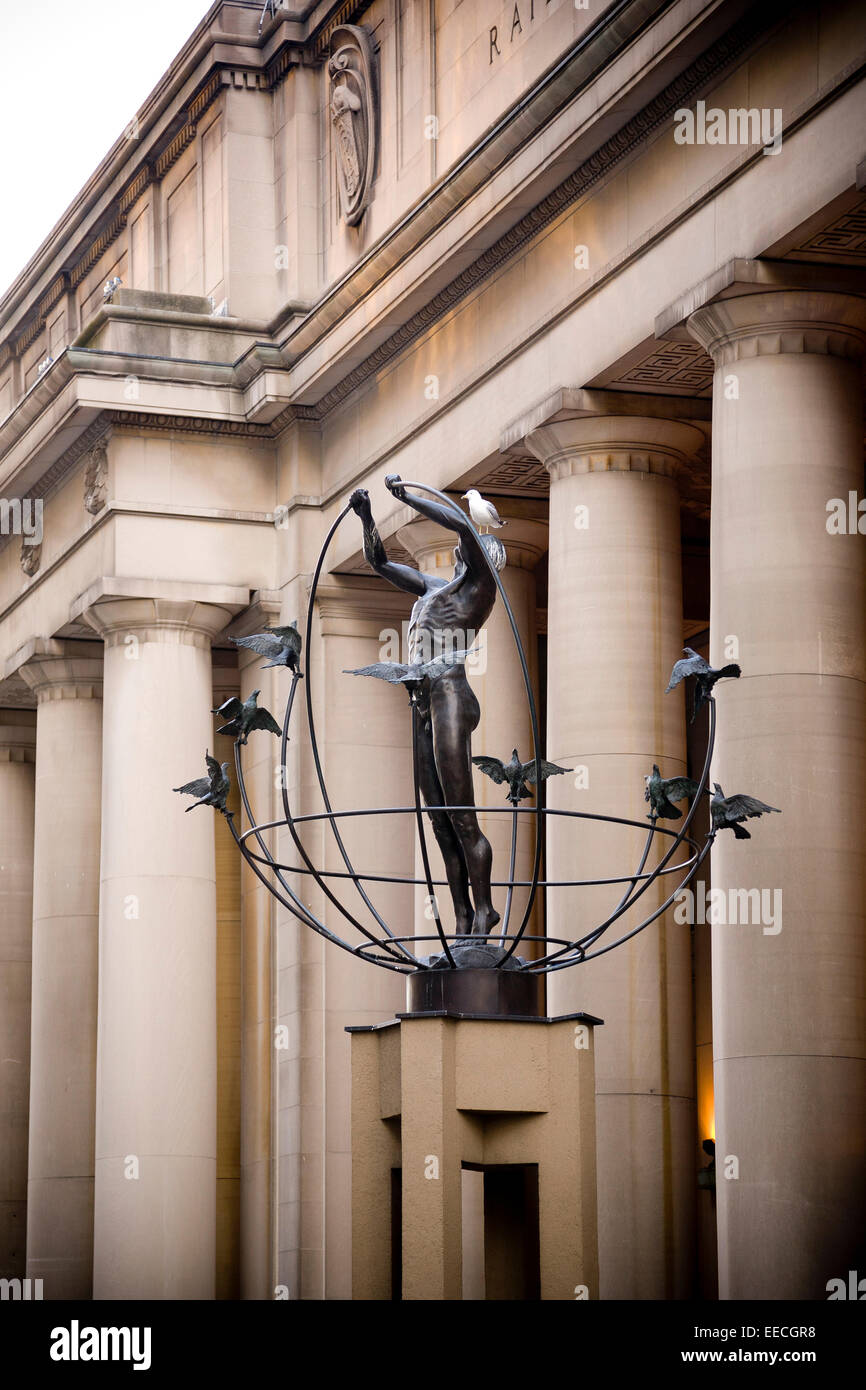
pixel 66 678
pixel 789 1022
pixel 17 756
pixel 154 1221
pixel 615 629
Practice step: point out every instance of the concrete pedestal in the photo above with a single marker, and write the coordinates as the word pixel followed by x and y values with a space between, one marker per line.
pixel 437 1099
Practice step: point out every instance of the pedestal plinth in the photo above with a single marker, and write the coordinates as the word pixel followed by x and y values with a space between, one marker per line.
pixel 476 988
pixel 473 1158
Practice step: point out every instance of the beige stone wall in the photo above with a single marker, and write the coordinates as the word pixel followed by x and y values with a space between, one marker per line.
pixel 302 391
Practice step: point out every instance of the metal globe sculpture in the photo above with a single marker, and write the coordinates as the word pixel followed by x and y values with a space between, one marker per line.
pixel 388 946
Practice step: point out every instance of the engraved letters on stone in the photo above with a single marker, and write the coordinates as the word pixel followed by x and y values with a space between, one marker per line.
pixel 354 115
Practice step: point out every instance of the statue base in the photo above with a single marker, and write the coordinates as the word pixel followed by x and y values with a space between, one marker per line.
pixel 473 1154
pixel 473 986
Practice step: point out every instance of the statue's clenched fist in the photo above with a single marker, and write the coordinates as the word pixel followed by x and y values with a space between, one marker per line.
pixel 395 486
pixel 360 502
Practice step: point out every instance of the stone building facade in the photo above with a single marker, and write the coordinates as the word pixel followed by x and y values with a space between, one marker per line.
pixel 607 263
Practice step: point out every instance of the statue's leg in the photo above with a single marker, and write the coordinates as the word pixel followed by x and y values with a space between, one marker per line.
pixel 446 837
pixel 454 713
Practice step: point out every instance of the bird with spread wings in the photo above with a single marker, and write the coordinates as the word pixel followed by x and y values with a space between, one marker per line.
pixel 281 644
pixel 244 718
pixel 517 774
pixel 729 812
pixel 693 664
pixel 413 673
pixel 211 790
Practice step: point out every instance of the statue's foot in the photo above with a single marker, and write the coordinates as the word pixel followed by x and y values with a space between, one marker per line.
pixel 484 921
pixel 463 926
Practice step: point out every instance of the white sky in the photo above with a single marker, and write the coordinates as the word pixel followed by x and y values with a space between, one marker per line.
pixel 73 73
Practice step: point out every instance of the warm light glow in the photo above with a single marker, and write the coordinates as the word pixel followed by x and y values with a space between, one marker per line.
pixel 706 1098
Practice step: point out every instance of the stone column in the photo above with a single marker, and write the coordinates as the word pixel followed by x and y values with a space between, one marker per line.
pixel 364 740
pixel 615 630
pixel 496 677
pixel 66 678
pixel 229 1002
pixel 788 596
pixel 17 756
pixel 260 761
pixel 154 1220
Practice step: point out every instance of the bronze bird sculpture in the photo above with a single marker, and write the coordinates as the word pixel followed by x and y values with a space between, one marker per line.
pixel 281 644
pixel 728 812
pixel 412 674
pixel 662 792
pixel 211 790
pixel 244 718
pixel 516 774
pixel 705 677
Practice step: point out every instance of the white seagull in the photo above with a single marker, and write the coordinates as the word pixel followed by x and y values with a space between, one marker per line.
pixel 483 513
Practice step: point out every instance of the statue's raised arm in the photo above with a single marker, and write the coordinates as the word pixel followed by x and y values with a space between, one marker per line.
pixel 402 576
pixel 453 519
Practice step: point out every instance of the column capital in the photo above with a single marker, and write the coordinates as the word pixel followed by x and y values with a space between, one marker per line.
pixel 616 444
pixel 187 623
pixel 579 430
pixel 156 611
pixel 57 669
pixel 781 321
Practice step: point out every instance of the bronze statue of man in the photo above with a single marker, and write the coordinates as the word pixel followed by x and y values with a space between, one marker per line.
pixel 445 709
